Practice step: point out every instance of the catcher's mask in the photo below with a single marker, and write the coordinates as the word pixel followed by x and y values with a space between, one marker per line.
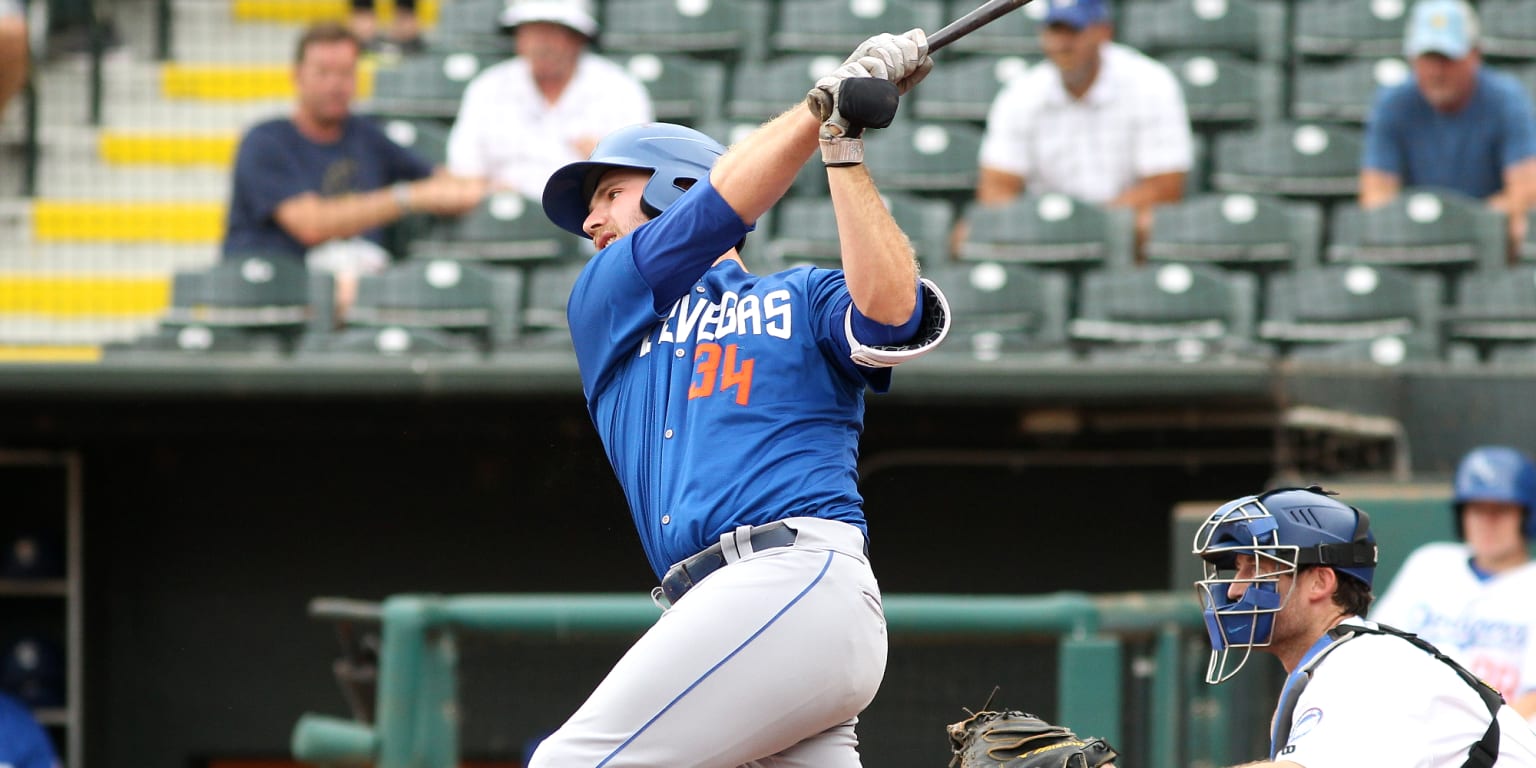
pixel 1278 532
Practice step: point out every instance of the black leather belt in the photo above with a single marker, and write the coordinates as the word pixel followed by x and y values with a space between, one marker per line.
pixel 685 573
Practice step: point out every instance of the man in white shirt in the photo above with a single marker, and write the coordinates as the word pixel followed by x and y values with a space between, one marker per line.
pixel 523 118
pixel 1097 120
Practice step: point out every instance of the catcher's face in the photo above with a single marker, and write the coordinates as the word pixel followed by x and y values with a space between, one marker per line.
pixel 614 210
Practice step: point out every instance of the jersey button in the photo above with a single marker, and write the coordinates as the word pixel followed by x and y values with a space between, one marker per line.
pixel 667 434
pixel 679 353
pixel 699 288
pixel 666 519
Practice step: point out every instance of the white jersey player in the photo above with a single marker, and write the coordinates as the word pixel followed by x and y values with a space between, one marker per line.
pixel 1477 600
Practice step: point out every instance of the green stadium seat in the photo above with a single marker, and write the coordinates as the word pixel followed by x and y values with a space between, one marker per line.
pixel 683 89
pixel 763 91
pixel 805 230
pixel 964 89
pixel 1236 230
pixel 1221 90
pixel 1166 312
pixel 1494 308
pixel 1433 229
pixel 812 178
pixel 504 228
pixel 390 341
pixel 1290 159
pixel 1349 28
pixel 1343 91
pixel 1003 311
pixel 712 27
pixel 1252 29
pixel 428 85
pixel 925 156
pixel 428 138
pixel 1526 251
pixel 548 288
pixel 1354 313
pixel 837 26
pixel 470 25
pixel 437 294
pixel 1508 29
pixel 1016 34
pixel 1048 230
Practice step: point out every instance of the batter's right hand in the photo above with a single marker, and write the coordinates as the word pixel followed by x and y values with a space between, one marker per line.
pixel 902 59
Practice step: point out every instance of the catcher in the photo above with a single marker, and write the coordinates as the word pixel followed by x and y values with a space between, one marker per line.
pixel 1015 739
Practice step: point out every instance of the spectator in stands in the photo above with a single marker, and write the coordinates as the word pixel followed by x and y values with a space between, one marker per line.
pixel 13 50
pixel 23 743
pixel 548 106
pixel 404 29
pixel 1455 124
pixel 327 177
pixel 1097 120
pixel 1474 599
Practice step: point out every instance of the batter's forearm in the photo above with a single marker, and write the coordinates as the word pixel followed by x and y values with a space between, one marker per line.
pixel 758 170
pixel 878 261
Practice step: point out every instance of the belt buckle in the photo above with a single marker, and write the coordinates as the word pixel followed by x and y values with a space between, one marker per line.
pixel 676 582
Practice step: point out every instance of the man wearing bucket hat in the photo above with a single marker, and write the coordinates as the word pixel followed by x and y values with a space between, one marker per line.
pixel 525 117
pixel 1455 124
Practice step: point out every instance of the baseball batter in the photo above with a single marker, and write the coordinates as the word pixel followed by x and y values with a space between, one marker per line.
pixel 730 405
pixel 1289 572
pixel 1477 600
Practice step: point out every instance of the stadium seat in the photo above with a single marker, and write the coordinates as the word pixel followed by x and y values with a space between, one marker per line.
pixel 1494 308
pixel 1291 159
pixel 1527 250
pixel 925 156
pixel 763 91
pixel 1050 230
pixel 964 89
pixel 428 138
pixel 1434 229
pixel 1221 90
pixel 683 89
pixel 1015 34
pixel 1343 91
pixel 1354 313
pixel 735 28
pixel 504 228
pixel 1252 29
pixel 1166 312
pixel 433 294
pixel 1004 310
pixel 548 288
pixel 428 85
pixel 390 341
pixel 1236 230
pixel 1349 28
pixel 805 230
pixel 470 25
pixel 836 27
pixel 1508 29
pixel 810 182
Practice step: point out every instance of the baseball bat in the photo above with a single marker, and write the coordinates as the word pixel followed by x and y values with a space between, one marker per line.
pixel 820 103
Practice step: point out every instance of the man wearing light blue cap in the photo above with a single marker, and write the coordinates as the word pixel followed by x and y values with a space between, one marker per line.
pixel 1455 124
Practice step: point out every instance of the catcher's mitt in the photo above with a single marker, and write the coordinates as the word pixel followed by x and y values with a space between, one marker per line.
pixel 1020 740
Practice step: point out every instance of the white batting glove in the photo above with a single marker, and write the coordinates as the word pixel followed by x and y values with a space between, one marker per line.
pixel 902 59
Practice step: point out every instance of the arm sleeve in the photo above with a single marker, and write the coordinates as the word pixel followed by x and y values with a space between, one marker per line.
pixel 1163 143
pixel 268 173
pixel 676 248
pixel 871 332
pixel 1519 128
pixel 1005 145
pixel 1382 151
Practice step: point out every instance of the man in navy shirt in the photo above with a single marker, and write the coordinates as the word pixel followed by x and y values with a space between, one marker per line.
pixel 325 175
pixel 1455 124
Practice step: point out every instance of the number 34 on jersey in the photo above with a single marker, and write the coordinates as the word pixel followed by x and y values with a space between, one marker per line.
pixel 718 368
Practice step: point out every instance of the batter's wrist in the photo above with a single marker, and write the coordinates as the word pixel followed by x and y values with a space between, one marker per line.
pixel 841 151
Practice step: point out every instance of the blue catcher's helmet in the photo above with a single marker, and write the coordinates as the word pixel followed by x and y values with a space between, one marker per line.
pixel 1282 530
pixel 1497 473
pixel 676 155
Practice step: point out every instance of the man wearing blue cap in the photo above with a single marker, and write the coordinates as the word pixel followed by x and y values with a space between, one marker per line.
pixel 1097 120
pixel 1455 124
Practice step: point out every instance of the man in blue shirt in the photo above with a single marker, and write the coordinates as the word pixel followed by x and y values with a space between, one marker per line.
pixel 730 405
pixel 1455 124
pixel 23 743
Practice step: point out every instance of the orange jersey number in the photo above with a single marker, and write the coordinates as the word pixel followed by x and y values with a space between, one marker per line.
pixel 712 362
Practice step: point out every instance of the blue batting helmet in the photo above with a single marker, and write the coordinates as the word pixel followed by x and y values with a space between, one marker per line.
pixel 1283 531
pixel 676 155
pixel 1497 473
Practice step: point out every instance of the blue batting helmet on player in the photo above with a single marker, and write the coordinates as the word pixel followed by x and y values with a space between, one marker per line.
pixel 1500 474
pixel 677 156
pixel 1282 531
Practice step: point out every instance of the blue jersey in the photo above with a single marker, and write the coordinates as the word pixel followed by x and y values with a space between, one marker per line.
pixel 733 403
pixel 276 162
pixel 23 743
pixel 1466 151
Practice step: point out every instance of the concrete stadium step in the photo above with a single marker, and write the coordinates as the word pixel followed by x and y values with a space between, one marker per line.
pixel 139 259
